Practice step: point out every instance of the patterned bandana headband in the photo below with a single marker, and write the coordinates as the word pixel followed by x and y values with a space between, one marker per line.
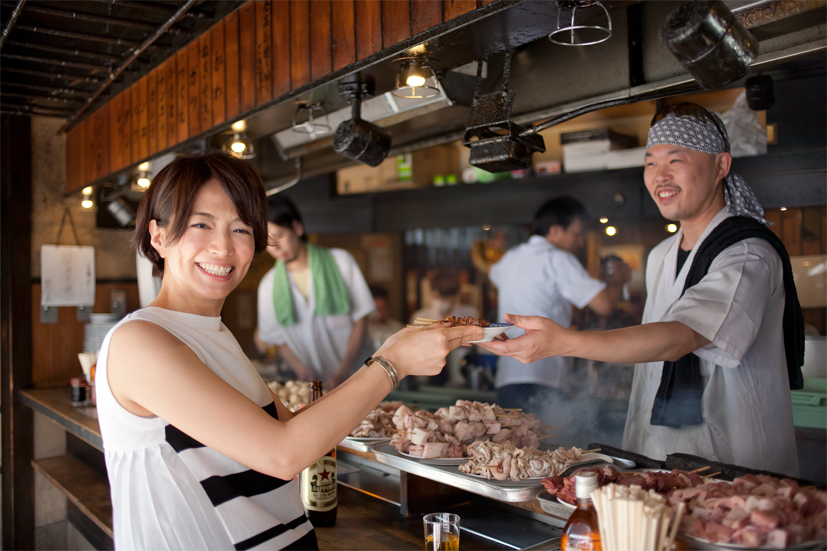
pixel 704 135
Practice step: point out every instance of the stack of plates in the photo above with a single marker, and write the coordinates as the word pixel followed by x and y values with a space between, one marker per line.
pixel 95 332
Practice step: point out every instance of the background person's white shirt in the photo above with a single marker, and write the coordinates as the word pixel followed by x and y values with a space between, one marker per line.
pixel 739 307
pixel 319 343
pixel 539 279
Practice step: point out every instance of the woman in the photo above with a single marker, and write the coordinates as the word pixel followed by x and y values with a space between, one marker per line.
pixel 200 454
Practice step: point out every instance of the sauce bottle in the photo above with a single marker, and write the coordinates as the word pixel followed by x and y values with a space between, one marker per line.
pixel 581 531
pixel 318 481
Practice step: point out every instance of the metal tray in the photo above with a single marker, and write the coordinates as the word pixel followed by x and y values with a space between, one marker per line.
pixel 361 445
pixel 450 475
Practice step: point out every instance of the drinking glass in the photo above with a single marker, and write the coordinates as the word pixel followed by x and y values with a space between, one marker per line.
pixel 441 532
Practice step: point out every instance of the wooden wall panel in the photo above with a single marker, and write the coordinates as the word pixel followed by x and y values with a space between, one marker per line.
pixel 193 89
pixel 281 47
pixel 455 8
pixel 369 25
pixel 231 73
pixel 152 112
pixel 161 110
pixel 264 51
pixel 774 217
pixel 56 345
pixel 321 52
pixel 343 33
pixel 86 173
pixel 100 142
pixel 143 134
pixel 182 95
pixel 247 55
pixel 219 106
pixel 205 82
pixel 74 176
pixel 172 100
pixel 791 231
pixel 396 21
pixel 299 42
pixel 134 110
pixel 125 129
pixel 115 148
pixel 811 237
pixel 424 15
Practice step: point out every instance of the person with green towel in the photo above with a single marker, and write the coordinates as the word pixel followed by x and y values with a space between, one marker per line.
pixel 314 303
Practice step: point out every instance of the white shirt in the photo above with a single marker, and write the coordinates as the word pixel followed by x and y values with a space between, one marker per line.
pixel 319 343
pixel 739 307
pixel 171 492
pixel 538 279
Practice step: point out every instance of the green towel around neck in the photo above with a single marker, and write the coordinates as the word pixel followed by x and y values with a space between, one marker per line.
pixel 329 288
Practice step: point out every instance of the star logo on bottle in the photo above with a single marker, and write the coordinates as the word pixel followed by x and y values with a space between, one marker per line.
pixel 325 474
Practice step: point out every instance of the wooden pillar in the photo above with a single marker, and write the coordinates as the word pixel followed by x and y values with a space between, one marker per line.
pixel 15 330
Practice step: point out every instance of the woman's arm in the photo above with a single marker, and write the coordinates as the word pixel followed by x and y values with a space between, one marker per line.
pixel 354 346
pixel 651 342
pixel 168 380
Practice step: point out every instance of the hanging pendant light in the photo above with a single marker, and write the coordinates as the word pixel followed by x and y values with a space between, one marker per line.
pixel 239 144
pixel 412 79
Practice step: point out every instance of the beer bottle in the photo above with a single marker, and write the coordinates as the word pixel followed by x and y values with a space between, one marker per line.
pixel 581 531
pixel 318 481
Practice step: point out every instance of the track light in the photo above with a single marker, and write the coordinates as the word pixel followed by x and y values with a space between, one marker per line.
pixel 87 201
pixel 359 139
pixel 239 144
pixel 412 78
pixel 709 42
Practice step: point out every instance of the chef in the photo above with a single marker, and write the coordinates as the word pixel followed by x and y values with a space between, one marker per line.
pixel 721 342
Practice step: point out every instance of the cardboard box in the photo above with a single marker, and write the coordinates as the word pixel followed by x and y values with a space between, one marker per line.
pixel 426 164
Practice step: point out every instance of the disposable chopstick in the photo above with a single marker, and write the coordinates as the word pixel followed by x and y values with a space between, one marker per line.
pixel 591 451
pixel 710 475
pixel 699 470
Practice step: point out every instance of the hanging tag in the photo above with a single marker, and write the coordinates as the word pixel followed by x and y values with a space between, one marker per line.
pixel 67 275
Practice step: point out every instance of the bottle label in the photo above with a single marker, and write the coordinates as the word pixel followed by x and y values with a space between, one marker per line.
pixel 318 485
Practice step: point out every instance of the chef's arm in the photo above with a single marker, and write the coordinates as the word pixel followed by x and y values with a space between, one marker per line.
pixel 302 371
pixel 354 346
pixel 650 342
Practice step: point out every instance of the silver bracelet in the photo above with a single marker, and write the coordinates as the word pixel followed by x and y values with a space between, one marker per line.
pixel 388 367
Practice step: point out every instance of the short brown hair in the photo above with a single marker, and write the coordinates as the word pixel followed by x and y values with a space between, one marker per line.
pixel 170 197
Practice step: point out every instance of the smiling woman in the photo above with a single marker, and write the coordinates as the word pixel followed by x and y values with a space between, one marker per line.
pixel 200 454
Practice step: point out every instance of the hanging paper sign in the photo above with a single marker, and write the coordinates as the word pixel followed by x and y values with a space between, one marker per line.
pixel 67 275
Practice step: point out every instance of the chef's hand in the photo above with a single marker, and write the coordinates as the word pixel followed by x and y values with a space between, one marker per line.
pixel 422 350
pixel 540 339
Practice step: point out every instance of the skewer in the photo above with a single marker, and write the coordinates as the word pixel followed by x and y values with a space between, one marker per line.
pixel 592 451
pixel 512 409
pixel 710 475
pixel 699 470
pixel 544 437
pixel 427 320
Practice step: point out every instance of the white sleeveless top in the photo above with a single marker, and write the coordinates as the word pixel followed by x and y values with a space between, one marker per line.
pixel 171 492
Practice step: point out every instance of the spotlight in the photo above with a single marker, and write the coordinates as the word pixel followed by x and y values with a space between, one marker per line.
pixel 709 42
pixel 121 210
pixel 671 228
pixel 578 33
pixel 411 79
pixel 760 93
pixel 611 230
pixel 604 220
pixel 239 144
pixel 143 180
pixel 358 139
pixel 87 202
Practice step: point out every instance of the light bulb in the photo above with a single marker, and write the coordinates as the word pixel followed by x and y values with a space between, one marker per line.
pixel 87 190
pixel 143 181
pixel 671 228
pixel 86 203
pixel 415 80
pixel 238 146
pixel 610 230
pixel 604 220
pixel 144 167
pixel 239 126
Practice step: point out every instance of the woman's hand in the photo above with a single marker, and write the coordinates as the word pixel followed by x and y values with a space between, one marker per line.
pixel 422 350
pixel 543 338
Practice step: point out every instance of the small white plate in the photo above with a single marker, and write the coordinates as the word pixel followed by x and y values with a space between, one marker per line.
pixel 544 497
pixel 492 331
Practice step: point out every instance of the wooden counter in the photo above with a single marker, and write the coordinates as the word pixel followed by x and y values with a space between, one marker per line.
pixel 365 521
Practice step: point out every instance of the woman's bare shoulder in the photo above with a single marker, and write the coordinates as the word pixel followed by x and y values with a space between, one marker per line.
pixel 142 338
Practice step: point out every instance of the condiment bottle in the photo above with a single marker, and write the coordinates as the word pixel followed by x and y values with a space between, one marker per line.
pixel 79 387
pixel 318 481
pixel 582 531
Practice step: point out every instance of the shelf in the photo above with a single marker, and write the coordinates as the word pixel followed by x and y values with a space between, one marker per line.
pixel 56 404
pixel 85 487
